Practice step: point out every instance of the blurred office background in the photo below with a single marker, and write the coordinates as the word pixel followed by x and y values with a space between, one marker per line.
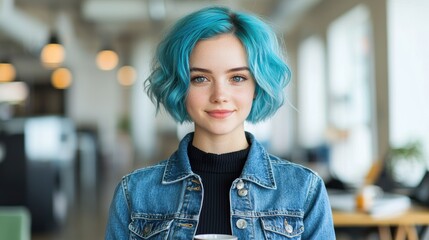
pixel 76 119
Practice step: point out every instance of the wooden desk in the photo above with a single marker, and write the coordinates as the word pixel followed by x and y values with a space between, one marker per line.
pixel 405 222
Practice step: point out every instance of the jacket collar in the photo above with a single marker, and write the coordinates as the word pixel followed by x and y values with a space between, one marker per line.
pixel 257 169
pixel 178 166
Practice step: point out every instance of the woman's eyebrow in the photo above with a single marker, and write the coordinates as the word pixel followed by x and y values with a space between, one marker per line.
pixel 238 69
pixel 197 69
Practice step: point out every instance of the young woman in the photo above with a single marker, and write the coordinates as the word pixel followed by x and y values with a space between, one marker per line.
pixel 218 69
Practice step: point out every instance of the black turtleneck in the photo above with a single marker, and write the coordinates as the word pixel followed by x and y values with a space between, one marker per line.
pixel 217 172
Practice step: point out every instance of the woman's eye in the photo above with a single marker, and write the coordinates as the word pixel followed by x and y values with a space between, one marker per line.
pixel 238 78
pixel 199 79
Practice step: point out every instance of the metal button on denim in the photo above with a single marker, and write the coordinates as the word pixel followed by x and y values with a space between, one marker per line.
pixel 242 192
pixel 241 223
pixel 240 184
pixel 289 228
pixel 147 229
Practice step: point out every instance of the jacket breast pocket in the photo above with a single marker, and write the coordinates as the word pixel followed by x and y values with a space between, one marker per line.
pixel 282 227
pixel 153 229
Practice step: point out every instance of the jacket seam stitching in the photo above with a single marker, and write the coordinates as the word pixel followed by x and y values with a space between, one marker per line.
pixel 125 192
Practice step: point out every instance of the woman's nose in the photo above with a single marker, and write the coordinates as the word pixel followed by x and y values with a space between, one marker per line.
pixel 219 93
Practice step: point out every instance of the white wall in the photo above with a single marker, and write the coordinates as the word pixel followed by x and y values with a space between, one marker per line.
pixel 94 98
pixel 409 74
pixel 143 124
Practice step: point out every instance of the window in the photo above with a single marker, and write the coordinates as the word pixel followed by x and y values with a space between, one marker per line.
pixel 311 93
pixel 350 97
pixel 408 37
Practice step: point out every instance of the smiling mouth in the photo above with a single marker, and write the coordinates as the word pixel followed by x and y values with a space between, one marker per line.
pixel 220 114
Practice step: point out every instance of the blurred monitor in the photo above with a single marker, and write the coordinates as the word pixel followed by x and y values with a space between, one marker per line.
pixel 421 192
pixel 12 169
pixel 50 138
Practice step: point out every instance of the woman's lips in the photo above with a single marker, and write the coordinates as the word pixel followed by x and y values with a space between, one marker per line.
pixel 220 113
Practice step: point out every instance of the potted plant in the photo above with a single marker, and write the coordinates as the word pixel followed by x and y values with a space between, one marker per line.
pixel 406 164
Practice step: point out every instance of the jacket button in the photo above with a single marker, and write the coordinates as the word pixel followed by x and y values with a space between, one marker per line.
pixel 147 229
pixel 241 223
pixel 240 184
pixel 289 228
pixel 242 192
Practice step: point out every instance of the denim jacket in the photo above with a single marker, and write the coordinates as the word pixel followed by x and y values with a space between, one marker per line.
pixel 272 199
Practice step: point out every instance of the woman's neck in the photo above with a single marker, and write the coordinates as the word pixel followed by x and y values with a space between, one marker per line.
pixel 219 144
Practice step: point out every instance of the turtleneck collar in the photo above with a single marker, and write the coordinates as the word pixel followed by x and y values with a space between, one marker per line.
pixel 232 162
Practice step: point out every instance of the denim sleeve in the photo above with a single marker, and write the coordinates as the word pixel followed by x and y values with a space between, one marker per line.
pixel 318 214
pixel 119 216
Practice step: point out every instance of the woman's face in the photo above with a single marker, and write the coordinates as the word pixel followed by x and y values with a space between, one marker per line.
pixel 221 87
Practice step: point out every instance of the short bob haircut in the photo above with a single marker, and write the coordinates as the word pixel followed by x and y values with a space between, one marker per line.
pixel 170 77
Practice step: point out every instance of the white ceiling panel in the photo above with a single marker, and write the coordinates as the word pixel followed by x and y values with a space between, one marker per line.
pixel 115 10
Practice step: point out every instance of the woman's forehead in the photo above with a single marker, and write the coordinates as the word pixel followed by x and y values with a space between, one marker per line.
pixel 224 49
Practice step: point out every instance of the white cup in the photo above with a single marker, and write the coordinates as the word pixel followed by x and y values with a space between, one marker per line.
pixel 215 236
pixel 366 196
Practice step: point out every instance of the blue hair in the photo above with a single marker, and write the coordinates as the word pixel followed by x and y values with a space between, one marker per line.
pixel 169 81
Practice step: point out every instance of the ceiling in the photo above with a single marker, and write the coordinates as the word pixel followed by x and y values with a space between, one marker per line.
pixel 26 24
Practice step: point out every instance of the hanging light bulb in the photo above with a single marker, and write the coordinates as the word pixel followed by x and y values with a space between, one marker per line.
pixel 107 59
pixel 53 53
pixel 7 71
pixel 13 92
pixel 61 78
pixel 126 75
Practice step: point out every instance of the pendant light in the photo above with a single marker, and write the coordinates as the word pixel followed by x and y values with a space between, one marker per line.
pixel 61 78
pixel 126 75
pixel 53 53
pixel 13 92
pixel 7 71
pixel 107 59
